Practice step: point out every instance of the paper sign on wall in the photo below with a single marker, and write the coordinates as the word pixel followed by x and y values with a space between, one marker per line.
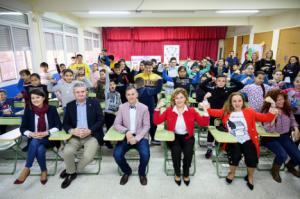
pixel 249 49
pixel 171 51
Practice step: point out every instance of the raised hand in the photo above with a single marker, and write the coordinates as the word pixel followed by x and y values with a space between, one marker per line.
pixel 274 111
pixel 207 95
pixel 204 105
pixel 160 104
pixel 271 101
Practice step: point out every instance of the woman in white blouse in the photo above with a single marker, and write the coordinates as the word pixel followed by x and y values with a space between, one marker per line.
pixel 180 119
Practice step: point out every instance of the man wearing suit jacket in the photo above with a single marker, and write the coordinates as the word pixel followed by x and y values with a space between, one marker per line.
pixel 83 119
pixel 134 121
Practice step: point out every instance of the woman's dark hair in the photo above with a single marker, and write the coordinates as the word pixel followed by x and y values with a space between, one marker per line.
pixel 67 71
pixel 35 75
pixel 297 60
pixel 274 93
pixel 39 92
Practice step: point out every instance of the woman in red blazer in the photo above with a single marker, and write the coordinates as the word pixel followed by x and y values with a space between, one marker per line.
pixel 180 119
pixel 240 122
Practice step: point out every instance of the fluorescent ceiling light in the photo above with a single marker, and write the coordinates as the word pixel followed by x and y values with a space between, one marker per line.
pixel 109 12
pixel 11 13
pixel 236 11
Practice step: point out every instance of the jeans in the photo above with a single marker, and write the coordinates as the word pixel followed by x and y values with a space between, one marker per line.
pixel 283 147
pixel 37 149
pixel 143 149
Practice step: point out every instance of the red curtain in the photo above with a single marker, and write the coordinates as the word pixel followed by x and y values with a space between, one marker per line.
pixel 194 42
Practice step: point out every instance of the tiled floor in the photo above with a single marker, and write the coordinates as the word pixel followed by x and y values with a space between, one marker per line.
pixel 205 184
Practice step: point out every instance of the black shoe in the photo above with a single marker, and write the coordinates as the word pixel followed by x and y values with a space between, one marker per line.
pixel 124 179
pixel 68 180
pixel 208 153
pixel 63 174
pixel 109 145
pixel 186 182
pixel 291 168
pixel 250 186
pixel 143 180
pixel 177 182
pixel 229 181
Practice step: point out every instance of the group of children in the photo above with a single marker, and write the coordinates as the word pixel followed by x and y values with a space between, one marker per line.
pixel 208 80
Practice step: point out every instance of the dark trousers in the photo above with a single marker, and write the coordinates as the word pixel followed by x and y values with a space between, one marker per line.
pixel 37 149
pixel 178 146
pixel 210 138
pixel 236 150
pixel 143 149
pixel 109 119
pixel 283 147
pixel 152 127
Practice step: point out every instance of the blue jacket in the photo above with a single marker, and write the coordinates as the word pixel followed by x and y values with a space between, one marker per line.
pixel 94 117
pixel 147 95
pixel 242 78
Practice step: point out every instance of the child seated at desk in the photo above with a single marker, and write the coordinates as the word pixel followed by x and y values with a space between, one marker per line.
pixel 6 108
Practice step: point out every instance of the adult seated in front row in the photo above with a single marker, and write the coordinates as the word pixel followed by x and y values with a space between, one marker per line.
pixel 240 122
pixel 180 119
pixel 38 122
pixel 133 120
pixel 286 125
pixel 83 119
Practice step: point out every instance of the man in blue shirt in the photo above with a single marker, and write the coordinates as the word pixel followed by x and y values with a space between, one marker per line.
pixel 83 119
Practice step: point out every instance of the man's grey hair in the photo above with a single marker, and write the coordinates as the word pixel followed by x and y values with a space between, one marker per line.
pixel 79 85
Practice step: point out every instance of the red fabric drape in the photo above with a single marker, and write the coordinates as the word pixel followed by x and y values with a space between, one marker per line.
pixel 194 42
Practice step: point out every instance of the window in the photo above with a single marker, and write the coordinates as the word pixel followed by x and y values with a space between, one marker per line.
pixel 54 49
pixel 72 47
pixel 22 48
pixel 15 53
pixel 61 42
pixel 7 65
pixel 91 46
pixel 19 18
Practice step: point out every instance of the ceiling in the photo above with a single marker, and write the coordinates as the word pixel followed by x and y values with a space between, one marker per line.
pixel 160 8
